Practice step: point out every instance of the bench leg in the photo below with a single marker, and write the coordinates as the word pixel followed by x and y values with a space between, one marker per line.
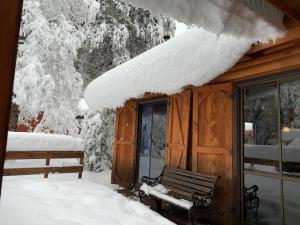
pixel 196 214
pixel 141 195
pixel 155 204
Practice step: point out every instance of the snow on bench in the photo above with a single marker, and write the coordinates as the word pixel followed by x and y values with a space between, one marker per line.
pixel 161 192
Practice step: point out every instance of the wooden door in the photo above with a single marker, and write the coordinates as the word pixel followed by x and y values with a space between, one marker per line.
pixel 212 143
pixel 178 129
pixel 124 145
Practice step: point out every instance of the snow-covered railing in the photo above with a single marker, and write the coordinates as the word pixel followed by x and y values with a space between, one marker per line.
pixel 38 153
pixel 47 155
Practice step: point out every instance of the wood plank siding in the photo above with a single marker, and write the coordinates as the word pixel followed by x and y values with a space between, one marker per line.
pixel 212 142
pixel 124 144
pixel 178 129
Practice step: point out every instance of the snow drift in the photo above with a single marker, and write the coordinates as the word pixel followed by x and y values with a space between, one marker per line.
pixel 194 57
pixel 26 141
pixel 235 17
pixel 65 200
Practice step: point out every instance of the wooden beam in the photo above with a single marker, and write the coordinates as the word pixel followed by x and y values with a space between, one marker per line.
pixel 291 35
pixel 42 170
pixel 10 17
pixel 286 9
pixel 16 155
pixel 279 65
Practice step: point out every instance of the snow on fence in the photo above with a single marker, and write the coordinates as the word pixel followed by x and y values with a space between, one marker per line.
pixel 26 150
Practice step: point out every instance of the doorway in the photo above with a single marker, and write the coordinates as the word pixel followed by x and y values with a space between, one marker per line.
pixel 151 139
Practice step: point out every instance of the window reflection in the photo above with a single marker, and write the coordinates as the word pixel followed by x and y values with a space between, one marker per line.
pixel 291 202
pixel 290 132
pixel 267 201
pixel 261 145
pixel 158 139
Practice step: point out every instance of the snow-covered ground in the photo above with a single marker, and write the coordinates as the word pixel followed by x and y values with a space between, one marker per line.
pixel 65 200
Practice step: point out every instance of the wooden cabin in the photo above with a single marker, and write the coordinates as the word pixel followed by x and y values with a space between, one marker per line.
pixel 243 127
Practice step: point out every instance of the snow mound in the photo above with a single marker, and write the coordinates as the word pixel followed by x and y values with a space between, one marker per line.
pixel 194 57
pixel 233 17
pixel 26 141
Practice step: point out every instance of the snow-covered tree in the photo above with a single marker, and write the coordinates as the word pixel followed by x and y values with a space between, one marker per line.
pixel 126 32
pixel 98 130
pixel 46 79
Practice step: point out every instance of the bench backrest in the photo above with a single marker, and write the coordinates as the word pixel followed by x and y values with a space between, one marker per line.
pixel 184 183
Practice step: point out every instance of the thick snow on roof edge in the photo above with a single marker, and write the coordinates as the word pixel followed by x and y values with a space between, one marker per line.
pixel 193 58
pixel 241 18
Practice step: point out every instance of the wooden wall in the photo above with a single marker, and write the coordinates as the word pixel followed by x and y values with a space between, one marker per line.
pixel 10 16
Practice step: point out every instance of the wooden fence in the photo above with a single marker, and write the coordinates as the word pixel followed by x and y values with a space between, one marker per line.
pixel 47 155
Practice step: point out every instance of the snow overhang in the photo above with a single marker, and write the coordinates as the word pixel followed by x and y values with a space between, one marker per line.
pixel 255 19
pixel 192 58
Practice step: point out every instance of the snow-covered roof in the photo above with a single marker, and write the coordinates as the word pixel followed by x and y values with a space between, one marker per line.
pixel 246 18
pixel 194 57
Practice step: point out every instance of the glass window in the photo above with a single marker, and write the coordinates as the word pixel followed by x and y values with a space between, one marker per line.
pixel 262 206
pixel 152 139
pixel 291 202
pixel 145 138
pixel 290 130
pixel 261 139
pixel 158 139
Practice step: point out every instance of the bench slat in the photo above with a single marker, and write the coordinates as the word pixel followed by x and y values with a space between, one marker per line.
pixel 191 180
pixel 191 174
pixel 170 181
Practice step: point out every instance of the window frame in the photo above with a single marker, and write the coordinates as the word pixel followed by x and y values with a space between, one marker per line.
pixel 239 136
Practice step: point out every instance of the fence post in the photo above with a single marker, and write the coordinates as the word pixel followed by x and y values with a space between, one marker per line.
pixel 81 163
pixel 47 171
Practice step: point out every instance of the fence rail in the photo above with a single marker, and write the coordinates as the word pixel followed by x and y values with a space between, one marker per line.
pixel 47 155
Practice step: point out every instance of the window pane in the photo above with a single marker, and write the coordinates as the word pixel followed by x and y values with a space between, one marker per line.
pixel 261 145
pixel 158 139
pixel 265 206
pixel 145 134
pixel 290 132
pixel 291 192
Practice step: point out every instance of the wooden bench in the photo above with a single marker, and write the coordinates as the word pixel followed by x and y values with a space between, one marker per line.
pixel 188 190
pixel 47 155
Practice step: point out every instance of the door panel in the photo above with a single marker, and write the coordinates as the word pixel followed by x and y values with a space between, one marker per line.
pixel 124 145
pixel 178 129
pixel 212 142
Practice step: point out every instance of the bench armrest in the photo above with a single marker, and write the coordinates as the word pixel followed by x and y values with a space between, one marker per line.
pixel 202 200
pixel 151 181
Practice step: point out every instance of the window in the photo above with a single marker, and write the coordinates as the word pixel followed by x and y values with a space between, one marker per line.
pixel 271 152
pixel 152 139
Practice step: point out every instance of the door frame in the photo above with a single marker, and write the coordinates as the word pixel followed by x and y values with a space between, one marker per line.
pixel 238 129
pixel 10 18
pixel 140 103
